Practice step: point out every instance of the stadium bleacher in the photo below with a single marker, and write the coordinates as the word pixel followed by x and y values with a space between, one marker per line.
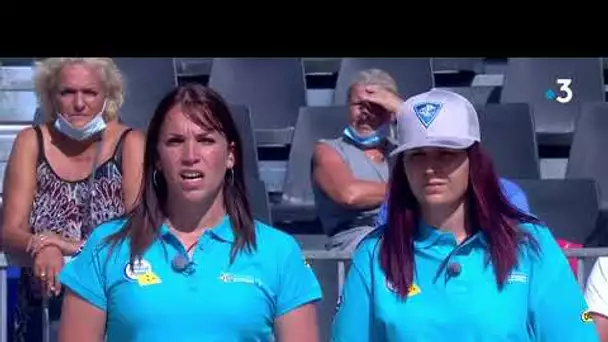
pixel 287 104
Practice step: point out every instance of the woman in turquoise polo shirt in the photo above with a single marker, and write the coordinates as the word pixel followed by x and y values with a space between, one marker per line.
pixel 190 263
pixel 455 261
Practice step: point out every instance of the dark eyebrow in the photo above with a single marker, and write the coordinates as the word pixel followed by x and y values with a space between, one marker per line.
pixel 198 135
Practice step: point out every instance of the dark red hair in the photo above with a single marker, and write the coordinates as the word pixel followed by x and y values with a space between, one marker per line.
pixel 489 211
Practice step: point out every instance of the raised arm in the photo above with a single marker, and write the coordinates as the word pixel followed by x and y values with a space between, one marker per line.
pixel 335 178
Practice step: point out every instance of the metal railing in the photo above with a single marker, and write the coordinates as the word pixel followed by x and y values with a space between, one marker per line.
pixel 340 258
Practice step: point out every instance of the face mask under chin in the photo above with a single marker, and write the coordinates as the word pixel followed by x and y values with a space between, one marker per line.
pixel 91 128
pixel 371 140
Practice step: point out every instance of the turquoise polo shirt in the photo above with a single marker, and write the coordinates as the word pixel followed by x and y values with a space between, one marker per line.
pixel 541 300
pixel 209 301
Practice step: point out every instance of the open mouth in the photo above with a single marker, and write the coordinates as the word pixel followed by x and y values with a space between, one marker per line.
pixel 191 175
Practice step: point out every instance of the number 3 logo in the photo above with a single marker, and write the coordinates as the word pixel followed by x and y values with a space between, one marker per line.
pixel 565 88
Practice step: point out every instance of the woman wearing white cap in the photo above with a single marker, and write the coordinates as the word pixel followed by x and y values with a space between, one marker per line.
pixel 455 261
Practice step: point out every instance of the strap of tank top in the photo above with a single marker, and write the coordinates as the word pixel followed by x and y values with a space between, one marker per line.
pixel 118 151
pixel 92 177
pixel 40 142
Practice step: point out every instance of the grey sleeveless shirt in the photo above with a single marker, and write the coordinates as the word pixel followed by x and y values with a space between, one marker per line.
pixel 335 217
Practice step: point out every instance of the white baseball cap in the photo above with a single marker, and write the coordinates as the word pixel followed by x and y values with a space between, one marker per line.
pixel 437 118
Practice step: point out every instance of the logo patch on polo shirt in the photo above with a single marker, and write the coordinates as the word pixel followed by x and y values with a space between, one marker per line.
pixel 140 267
pixel 586 317
pixel 148 278
pixel 142 272
pixel 412 291
pixel 237 278
pixel 517 277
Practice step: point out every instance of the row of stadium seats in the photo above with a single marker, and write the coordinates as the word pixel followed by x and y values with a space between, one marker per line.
pixel 274 106
pixel 269 104
pixel 272 111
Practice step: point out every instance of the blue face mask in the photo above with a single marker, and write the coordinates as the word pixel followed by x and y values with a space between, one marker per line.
pixel 96 125
pixel 371 140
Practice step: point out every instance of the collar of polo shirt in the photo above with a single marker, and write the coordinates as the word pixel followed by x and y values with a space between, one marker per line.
pixel 222 230
pixel 427 236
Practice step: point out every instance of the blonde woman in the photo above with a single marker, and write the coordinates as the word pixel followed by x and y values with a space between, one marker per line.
pixel 66 176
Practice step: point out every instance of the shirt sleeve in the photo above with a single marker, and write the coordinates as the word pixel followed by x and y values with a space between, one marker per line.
pixel 83 273
pixel 382 213
pixel 596 292
pixel 558 311
pixel 298 283
pixel 515 194
pixel 354 320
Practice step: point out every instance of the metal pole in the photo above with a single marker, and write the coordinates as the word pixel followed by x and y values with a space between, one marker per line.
pixel 3 305
pixel 341 276
pixel 580 271
pixel 46 323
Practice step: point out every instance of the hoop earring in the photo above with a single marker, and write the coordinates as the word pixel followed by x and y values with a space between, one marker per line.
pixel 154 181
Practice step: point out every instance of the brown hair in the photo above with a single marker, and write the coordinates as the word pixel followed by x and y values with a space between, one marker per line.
pixel 206 108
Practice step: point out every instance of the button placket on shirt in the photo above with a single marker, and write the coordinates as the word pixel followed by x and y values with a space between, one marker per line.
pixel 460 283
pixel 193 280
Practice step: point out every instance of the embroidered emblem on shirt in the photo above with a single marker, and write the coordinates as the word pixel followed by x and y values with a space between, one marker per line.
pixel 427 112
pixel 140 267
pixel 142 272
pixel 516 277
pixel 586 317
pixel 412 291
pixel 148 278
pixel 234 278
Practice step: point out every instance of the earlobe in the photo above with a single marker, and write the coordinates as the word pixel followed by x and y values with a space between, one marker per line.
pixel 230 163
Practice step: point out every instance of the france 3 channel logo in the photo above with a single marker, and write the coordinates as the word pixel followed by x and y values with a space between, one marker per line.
pixel 564 94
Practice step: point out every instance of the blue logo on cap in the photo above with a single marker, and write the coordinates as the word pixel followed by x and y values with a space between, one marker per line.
pixel 427 112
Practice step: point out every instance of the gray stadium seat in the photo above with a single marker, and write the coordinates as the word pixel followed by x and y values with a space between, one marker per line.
pixel 477 95
pixel 475 65
pixel 412 75
pixel 258 199
pixel 588 154
pixel 17 107
pixel 17 77
pixel 147 81
pixel 507 133
pixel 313 124
pixel 242 119
pixel 273 88
pixel 569 207
pixel 528 79
pixel 588 158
